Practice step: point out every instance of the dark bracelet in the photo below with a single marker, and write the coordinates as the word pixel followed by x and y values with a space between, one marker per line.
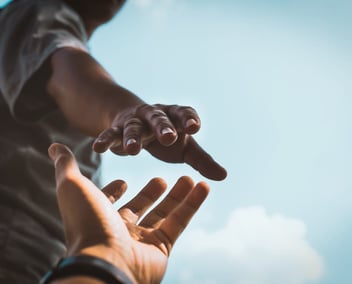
pixel 86 265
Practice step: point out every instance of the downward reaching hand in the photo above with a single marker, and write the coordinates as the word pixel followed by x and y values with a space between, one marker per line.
pixel 163 130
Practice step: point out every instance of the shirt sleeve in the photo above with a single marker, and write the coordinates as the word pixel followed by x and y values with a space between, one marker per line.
pixel 30 31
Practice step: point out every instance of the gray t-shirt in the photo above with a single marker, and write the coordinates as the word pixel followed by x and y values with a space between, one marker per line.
pixel 31 233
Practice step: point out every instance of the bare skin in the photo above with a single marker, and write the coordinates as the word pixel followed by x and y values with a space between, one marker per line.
pixel 95 12
pixel 138 246
pixel 121 121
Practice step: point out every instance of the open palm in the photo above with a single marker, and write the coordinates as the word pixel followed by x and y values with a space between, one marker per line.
pixel 138 246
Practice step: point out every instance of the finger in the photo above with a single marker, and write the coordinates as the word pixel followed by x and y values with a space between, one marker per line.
pixel 114 190
pixel 178 219
pixel 135 208
pixel 185 118
pixel 201 161
pixel 132 133
pixel 86 212
pixel 176 196
pixel 159 122
pixel 108 138
pixel 64 161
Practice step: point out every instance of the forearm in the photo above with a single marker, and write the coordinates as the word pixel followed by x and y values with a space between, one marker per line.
pixel 85 92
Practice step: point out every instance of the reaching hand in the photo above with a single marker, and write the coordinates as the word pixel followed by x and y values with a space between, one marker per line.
pixel 165 131
pixel 138 246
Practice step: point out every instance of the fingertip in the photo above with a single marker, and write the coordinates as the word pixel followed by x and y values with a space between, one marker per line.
pixel 155 188
pixel 62 157
pixel 221 175
pixel 115 189
pixel 106 139
pixel 120 184
pixel 217 174
pixel 192 126
pixel 56 149
pixel 186 181
pixel 224 175
pixel 203 187
pixel 99 146
pixel 168 136
pixel 166 130
pixel 159 182
pixel 52 151
pixel 132 147
pixel 199 194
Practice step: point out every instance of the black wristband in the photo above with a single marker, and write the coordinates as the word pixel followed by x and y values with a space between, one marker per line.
pixel 86 265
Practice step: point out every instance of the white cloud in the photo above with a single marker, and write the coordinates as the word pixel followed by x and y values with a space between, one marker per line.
pixel 253 248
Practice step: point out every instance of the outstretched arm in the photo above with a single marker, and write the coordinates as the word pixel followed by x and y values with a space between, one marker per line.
pixel 138 246
pixel 121 121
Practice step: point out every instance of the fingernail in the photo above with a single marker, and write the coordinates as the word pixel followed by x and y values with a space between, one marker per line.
pixel 52 151
pixel 190 122
pixel 99 140
pixel 131 141
pixel 166 130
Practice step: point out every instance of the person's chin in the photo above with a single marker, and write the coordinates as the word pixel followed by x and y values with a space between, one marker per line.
pixel 108 9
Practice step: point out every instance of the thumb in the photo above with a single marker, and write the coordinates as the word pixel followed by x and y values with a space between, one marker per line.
pixel 201 161
pixel 86 212
pixel 74 195
pixel 64 162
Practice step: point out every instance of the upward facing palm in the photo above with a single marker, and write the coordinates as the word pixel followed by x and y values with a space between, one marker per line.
pixel 138 246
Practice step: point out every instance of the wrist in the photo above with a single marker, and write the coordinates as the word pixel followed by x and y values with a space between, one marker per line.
pixel 78 280
pixel 109 254
pixel 121 108
pixel 85 269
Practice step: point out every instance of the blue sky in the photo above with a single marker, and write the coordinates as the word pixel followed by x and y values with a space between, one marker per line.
pixel 272 83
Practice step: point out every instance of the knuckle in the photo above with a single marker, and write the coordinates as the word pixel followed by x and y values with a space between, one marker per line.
pixel 158 116
pixel 188 110
pixel 111 132
pixel 177 111
pixel 133 123
pixel 142 109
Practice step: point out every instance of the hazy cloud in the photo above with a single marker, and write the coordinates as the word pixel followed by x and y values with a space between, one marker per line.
pixel 143 3
pixel 157 8
pixel 253 248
